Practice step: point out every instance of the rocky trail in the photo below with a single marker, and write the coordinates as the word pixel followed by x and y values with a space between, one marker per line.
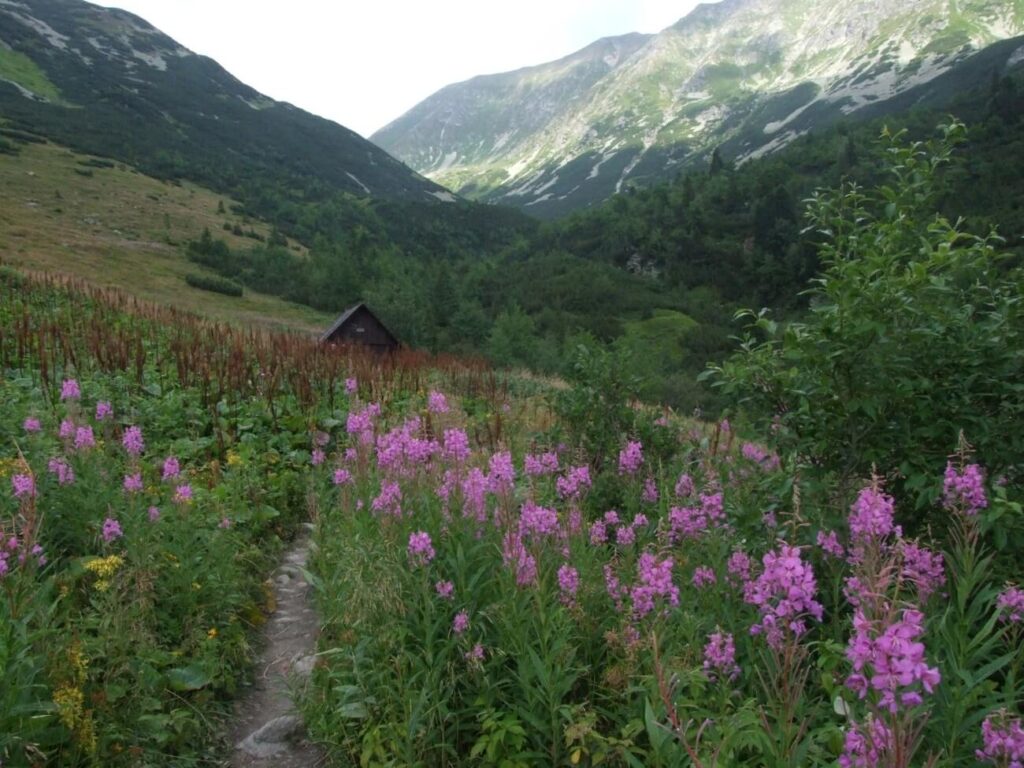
pixel 266 729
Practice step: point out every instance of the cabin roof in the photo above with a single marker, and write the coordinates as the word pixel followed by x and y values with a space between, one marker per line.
pixel 347 315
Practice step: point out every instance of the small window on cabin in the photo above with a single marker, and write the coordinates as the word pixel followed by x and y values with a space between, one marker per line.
pixel 360 329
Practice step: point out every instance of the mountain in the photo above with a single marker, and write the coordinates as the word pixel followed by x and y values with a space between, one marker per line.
pixel 107 82
pixel 747 75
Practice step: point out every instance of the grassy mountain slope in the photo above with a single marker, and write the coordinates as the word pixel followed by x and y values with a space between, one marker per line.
pixel 113 226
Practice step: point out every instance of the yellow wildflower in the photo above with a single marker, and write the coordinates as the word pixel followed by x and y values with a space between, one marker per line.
pixel 234 460
pixel 104 568
pixel 212 633
pixel 69 701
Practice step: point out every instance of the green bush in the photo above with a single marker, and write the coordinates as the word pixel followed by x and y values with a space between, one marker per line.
pixel 914 335
pixel 214 283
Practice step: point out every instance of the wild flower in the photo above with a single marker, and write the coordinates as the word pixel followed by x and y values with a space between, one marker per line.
pixel 474 495
pixel 132 441
pixel 420 549
pixel 66 430
pixel 867 744
pixel 104 411
pixel 784 593
pixel 654 581
pixel 650 491
pixel 544 464
pixel 24 486
pixel 351 386
pixel 694 522
pixel 922 568
pixel 389 500
pixel 598 533
pixel 631 457
pixel 154 514
pixel 456 445
pixel 111 530
pixel 475 654
pixel 888 659
pixel 62 470
pixel 720 657
pixel 321 438
pixel 640 520
pixel 568 581
pixel 445 589
pixel 1002 740
pixel 871 516
pixel 738 567
pixel 501 474
pixel 515 555
pixel 437 402
pixel 575 483
pixel 84 438
pixel 703 577
pixel 31 425
pixel 69 390
pixel 625 535
pixel 765 459
pixel 317 457
pixel 342 476
pixel 684 486
pixel 171 468
pixel 225 523
pixel 830 545
pixel 133 483
pixel 183 494
pixel 611 517
pixel 537 521
pixel 965 490
pixel 1011 603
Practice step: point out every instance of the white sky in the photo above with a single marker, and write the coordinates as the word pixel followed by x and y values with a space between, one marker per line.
pixel 363 63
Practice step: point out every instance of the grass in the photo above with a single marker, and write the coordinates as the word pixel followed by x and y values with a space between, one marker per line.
pixel 20 69
pixel 119 228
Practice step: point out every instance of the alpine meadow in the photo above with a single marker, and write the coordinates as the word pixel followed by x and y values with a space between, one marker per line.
pixel 658 405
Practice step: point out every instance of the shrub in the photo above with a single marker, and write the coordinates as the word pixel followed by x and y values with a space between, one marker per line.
pixel 914 335
pixel 214 283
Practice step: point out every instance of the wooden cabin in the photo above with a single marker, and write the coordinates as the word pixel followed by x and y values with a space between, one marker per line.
pixel 358 325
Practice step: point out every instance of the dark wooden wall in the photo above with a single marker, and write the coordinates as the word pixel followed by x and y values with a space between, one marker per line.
pixel 363 328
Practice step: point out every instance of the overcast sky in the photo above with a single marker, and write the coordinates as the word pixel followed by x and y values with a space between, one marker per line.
pixel 365 62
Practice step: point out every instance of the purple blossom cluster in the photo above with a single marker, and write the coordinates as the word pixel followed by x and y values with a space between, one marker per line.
pixel 694 522
pixel 575 483
pixel 923 568
pixel 23 486
pixel 133 442
pixel 720 657
pixel 964 490
pixel 437 402
pixel 872 516
pixel 1002 741
pixel 654 581
pixel 1011 605
pixel 867 744
pixel 59 468
pixel 784 593
pixel 14 551
pixel 542 464
pixel 631 458
pixel 69 390
pixel 888 659
pixel 421 548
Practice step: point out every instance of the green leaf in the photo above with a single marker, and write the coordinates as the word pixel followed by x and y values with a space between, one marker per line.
pixel 190 678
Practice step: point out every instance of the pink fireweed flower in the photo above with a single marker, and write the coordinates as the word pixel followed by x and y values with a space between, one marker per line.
pixel 703 576
pixel 111 530
pixel 62 470
pixel 829 543
pixel 224 524
pixel 598 533
pixel 1011 603
pixel 544 464
pixel 23 486
pixel 475 655
pixel 133 483
pixel 575 483
pixel 342 476
pixel 31 425
pixel 650 492
pixel 720 657
pixel 515 555
pixel 640 520
pixel 684 486
pixel 765 459
pixel 625 535
pixel 888 659
pixel 132 441
pixel 317 457
pixel 69 390
pixel 694 522
pixel 351 386
pixel 183 494
pixel 922 568
pixel 460 623
pixel 104 411
pixel 456 445
pixel 84 438
pixel 154 514
pixel 389 500
pixel 611 517
pixel 568 581
pixel 501 474
pixel 654 581
pixel 871 516
pixel 965 490
pixel 437 402
pixel 66 430
pixel 171 468
pixel 738 567
pixel 1002 740
pixel 420 549
pixel 537 522
pixel 784 593
pixel 631 457
pixel 445 589
pixel 474 495
pixel 321 438
pixel 867 745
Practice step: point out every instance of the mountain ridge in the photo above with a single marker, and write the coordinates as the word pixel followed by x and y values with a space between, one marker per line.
pixel 742 72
